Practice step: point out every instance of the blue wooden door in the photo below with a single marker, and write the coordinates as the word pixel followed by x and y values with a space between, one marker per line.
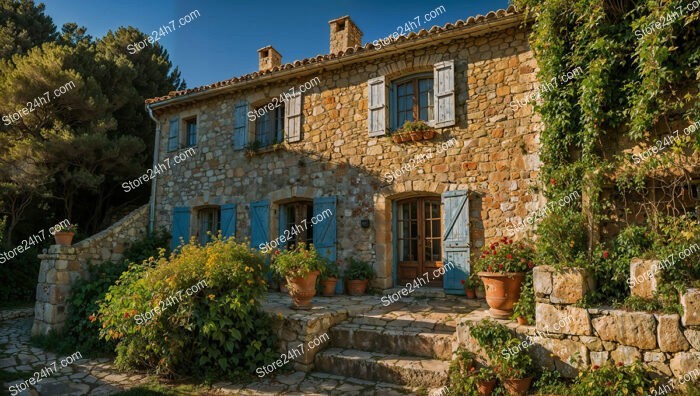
pixel 181 226
pixel 259 223
pixel 455 240
pixel 228 220
pixel 325 230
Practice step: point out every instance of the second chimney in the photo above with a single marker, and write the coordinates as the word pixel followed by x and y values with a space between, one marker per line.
pixel 344 34
pixel 268 58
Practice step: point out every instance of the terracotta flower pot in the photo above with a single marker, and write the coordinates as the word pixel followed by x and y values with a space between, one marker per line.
pixel 517 387
pixel 502 292
pixel 485 388
pixel 522 321
pixel 357 287
pixel 471 294
pixel 405 137
pixel 328 287
pixel 416 136
pixel 64 238
pixel 429 134
pixel 303 289
pixel 396 137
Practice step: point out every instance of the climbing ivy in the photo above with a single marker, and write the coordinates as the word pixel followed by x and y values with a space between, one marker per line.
pixel 639 76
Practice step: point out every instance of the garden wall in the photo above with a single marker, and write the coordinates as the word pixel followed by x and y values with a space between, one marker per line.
pixel 668 344
pixel 61 266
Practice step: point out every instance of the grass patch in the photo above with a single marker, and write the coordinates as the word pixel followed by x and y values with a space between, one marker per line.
pixel 157 389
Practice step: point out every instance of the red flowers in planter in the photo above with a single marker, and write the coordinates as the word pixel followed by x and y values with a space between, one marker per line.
pixel 606 254
pixel 504 256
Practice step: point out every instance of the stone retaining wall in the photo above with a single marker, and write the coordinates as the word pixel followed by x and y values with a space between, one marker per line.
pixel 61 266
pixel 569 337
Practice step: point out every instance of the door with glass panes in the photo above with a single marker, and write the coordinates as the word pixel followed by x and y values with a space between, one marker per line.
pixel 419 239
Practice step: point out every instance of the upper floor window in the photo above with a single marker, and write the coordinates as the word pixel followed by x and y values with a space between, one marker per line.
pixel 413 99
pixel 269 127
pixel 174 135
pixel 191 128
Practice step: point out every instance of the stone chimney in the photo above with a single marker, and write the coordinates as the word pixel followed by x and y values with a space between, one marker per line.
pixel 268 58
pixel 344 34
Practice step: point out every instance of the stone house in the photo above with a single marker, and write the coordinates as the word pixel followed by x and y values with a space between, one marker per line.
pixel 303 151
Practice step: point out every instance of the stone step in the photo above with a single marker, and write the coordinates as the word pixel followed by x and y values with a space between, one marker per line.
pixel 374 366
pixel 399 341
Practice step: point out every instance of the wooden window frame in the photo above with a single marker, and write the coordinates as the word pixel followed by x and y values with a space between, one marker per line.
pixel 414 80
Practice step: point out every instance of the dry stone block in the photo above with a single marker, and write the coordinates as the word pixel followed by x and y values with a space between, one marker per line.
pixel 566 320
pixel 691 307
pixel 671 338
pixel 599 358
pixel 636 329
pixel 542 280
pixel 626 354
pixel 568 356
pixel 693 337
pixel 654 357
pixel 685 362
pixel 570 285
pixel 644 277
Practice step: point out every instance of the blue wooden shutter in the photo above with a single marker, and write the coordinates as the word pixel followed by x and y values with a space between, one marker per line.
pixel 228 220
pixel 240 125
pixel 455 239
pixel 325 231
pixel 444 93
pixel 259 223
pixel 376 106
pixel 181 226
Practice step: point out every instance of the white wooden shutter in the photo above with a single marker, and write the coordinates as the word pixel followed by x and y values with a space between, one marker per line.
pixel 444 93
pixel 292 118
pixel 376 96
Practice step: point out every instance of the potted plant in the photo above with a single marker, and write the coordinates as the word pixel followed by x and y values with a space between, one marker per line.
pixel 64 237
pixel 470 285
pixel 524 309
pixel 329 278
pixel 357 276
pixel 515 367
pixel 502 268
pixel 485 381
pixel 301 266
pixel 418 130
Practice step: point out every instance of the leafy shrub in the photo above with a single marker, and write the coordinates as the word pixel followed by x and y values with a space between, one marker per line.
pixel 562 239
pixel 358 270
pixel 525 306
pixel 82 330
pixel 218 331
pixel 613 380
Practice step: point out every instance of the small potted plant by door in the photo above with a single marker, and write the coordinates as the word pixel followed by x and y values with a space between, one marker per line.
pixel 502 268
pixel 515 368
pixel 358 275
pixel 301 266
pixel 329 278
pixel 470 285
pixel 64 237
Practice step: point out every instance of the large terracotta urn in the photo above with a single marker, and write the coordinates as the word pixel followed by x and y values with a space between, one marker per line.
pixel 302 289
pixel 502 292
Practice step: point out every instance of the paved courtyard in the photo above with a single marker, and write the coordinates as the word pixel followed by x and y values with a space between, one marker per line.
pixel 99 377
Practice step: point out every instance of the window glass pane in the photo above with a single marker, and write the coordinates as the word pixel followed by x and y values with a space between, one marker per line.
pixel 414 250
pixel 192 133
pixel 437 251
pixel 425 99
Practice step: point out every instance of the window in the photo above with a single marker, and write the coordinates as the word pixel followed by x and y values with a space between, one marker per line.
pixel 191 128
pixel 296 224
pixel 174 135
pixel 413 99
pixel 208 220
pixel 269 127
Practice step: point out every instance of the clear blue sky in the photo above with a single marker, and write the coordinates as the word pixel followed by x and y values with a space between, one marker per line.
pixel 223 41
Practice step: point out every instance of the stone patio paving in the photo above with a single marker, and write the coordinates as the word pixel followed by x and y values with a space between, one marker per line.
pixel 99 377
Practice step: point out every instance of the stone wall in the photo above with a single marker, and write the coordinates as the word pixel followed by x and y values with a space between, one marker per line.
pixel 495 156
pixel 61 266
pixel 668 344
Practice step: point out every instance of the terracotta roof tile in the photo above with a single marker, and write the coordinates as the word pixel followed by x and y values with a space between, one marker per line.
pixel 492 15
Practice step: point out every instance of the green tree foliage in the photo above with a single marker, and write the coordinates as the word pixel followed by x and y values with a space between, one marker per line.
pixel 78 146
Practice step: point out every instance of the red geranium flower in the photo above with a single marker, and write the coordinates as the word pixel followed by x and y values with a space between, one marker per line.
pixel 509 256
pixel 92 318
pixel 462 281
pixel 596 367
pixel 489 269
pixel 500 266
pixel 493 252
pixel 606 254
pixel 530 265
pixel 486 252
pixel 619 364
pixel 553 181
pixel 126 314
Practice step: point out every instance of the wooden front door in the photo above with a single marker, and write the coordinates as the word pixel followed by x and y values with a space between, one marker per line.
pixel 419 240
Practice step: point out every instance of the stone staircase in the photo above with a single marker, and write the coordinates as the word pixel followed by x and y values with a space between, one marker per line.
pixel 407 343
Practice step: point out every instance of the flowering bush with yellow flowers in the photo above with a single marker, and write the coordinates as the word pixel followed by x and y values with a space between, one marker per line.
pixel 219 331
